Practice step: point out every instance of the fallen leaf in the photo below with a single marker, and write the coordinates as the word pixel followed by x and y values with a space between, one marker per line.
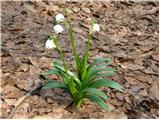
pixel 154 89
pixel 10 101
pixel 87 10
pixel 30 8
pixel 43 117
pixel 34 61
pixel 115 115
pixel 24 81
pixel 76 9
pixel 136 89
pixel 12 92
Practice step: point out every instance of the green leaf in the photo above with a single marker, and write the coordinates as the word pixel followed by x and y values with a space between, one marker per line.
pixel 76 80
pixel 92 73
pixel 53 71
pixel 94 91
pixel 91 70
pixel 106 83
pixel 78 62
pixel 101 65
pixel 84 64
pixel 62 69
pixel 79 66
pixel 50 85
pixel 102 70
pixel 110 73
pixel 105 69
pixel 72 87
pixel 99 101
pixel 89 74
pixel 96 61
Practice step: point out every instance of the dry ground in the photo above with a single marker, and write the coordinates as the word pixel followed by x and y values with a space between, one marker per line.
pixel 129 35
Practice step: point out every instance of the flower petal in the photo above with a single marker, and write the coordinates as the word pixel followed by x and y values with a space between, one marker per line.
pixel 50 44
pixel 59 17
pixel 58 28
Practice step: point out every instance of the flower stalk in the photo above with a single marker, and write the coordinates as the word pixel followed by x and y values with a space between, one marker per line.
pixel 71 37
pixel 60 51
pixel 86 55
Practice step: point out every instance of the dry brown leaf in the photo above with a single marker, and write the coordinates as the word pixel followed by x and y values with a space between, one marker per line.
pixel 115 115
pixel 154 89
pixel 10 101
pixel 12 92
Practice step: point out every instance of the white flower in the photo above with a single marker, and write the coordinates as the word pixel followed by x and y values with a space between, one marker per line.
pixel 50 44
pixel 59 17
pixel 58 28
pixel 95 28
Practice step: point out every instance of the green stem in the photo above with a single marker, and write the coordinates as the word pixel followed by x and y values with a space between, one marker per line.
pixel 87 46
pixel 79 103
pixel 70 30
pixel 60 51
pixel 86 56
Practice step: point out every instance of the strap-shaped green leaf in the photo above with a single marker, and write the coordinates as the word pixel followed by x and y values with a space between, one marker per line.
pixel 54 84
pixel 84 66
pixel 106 83
pixel 76 80
pixel 98 71
pixel 101 65
pixel 94 91
pixel 109 73
pixel 79 66
pixel 78 62
pixel 72 87
pixel 99 101
pixel 89 74
pixel 104 69
pixel 52 71
pixel 96 61
pixel 93 71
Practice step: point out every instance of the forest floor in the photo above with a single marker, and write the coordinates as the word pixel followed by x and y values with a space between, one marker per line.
pixel 129 35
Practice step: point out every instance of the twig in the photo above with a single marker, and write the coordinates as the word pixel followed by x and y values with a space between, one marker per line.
pixel 22 99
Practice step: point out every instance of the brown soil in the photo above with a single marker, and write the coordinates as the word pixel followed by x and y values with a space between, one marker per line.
pixel 129 35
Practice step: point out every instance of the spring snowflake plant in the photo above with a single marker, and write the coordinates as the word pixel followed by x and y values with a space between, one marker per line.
pixel 85 81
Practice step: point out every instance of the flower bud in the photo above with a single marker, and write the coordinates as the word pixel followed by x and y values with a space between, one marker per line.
pixel 59 18
pixel 58 28
pixel 95 28
pixel 50 44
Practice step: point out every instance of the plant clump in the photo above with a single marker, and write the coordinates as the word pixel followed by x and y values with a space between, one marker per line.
pixel 85 81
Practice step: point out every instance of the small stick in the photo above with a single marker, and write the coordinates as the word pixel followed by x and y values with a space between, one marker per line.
pixel 22 99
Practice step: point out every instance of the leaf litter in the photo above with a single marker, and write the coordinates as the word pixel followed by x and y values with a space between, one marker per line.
pixel 129 35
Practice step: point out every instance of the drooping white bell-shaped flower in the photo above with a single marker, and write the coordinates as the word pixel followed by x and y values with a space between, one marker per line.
pixel 50 44
pixel 59 17
pixel 95 28
pixel 58 28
